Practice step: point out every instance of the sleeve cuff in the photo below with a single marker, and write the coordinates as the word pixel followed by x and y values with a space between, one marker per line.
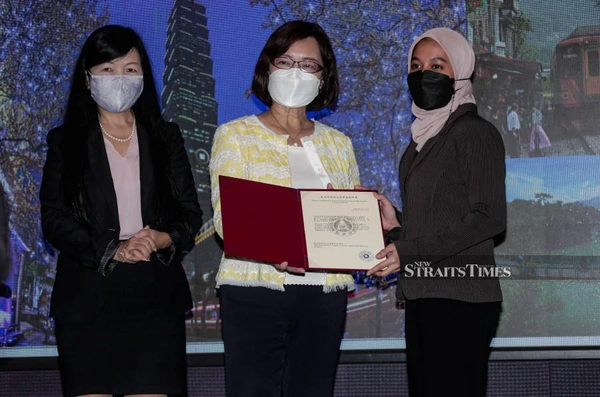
pixel 165 256
pixel 393 234
pixel 408 252
pixel 175 237
pixel 107 263
pixel 398 216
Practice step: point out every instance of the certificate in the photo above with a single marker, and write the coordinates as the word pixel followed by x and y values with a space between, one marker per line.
pixel 342 229
pixel 308 228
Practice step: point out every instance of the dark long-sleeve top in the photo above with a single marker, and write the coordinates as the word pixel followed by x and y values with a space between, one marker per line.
pixel 453 205
pixel 86 250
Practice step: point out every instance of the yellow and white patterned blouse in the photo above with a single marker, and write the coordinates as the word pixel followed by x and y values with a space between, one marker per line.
pixel 245 148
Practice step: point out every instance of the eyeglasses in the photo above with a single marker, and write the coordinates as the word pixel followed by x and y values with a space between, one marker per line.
pixel 288 63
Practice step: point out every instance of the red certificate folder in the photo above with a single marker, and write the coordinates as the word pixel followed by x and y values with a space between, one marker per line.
pixel 264 222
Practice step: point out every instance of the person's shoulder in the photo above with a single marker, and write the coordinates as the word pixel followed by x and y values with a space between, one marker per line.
pixel 171 126
pixel 57 134
pixel 60 130
pixel 170 131
pixel 330 132
pixel 240 124
pixel 472 123
pixel 473 132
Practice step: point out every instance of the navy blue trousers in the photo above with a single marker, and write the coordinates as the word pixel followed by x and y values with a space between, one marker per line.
pixel 281 343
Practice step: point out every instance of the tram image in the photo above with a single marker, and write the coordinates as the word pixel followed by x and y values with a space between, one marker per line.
pixel 575 74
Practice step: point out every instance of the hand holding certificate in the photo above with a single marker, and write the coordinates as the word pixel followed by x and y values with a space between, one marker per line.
pixel 310 229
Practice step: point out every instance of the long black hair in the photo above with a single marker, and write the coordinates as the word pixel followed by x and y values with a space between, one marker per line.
pixel 81 117
pixel 106 44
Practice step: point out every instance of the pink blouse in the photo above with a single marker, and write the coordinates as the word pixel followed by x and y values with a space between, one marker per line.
pixel 125 173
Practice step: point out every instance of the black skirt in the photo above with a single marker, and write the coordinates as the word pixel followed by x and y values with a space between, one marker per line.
pixel 132 347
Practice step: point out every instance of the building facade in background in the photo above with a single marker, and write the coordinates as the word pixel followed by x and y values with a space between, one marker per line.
pixel 492 26
pixel 189 89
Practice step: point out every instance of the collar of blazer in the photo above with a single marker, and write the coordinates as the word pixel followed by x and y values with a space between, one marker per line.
pixel 462 109
pixel 430 144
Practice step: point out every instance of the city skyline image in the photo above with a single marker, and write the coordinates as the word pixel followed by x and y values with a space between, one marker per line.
pixel 203 54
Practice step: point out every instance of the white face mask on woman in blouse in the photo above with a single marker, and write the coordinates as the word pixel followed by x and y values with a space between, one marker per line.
pixel 116 93
pixel 293 88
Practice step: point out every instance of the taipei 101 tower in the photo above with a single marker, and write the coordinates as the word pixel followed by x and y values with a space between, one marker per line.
pixel 189 90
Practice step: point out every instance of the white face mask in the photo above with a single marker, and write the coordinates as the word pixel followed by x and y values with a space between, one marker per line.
pixel 116 93
pixel 293 88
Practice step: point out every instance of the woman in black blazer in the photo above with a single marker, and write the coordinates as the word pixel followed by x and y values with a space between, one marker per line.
pixel 454 205
pixel 119 203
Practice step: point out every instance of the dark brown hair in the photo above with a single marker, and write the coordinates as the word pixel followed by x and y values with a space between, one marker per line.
pixel 278 43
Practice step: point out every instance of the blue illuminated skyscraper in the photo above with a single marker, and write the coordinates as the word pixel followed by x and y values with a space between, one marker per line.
pixel 189 89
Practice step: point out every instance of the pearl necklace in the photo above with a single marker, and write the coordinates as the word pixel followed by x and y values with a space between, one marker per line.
pixel 114 138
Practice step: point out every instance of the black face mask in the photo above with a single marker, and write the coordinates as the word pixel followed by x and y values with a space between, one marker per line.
pixel 430 90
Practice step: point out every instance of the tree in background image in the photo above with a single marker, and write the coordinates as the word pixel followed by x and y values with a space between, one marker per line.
pixel 535 308
pixel 522 49
pixel 39 43
pixel 371 40
pixel 543 226
pixel 511 19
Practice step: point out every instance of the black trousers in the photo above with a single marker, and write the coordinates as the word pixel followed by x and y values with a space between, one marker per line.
pixel 281 343
pixel 447 346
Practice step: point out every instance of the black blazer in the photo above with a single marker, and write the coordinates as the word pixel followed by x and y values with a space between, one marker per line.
pixel 84 262
pixel 453 205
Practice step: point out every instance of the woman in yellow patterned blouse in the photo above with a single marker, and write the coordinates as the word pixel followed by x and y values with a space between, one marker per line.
pixel 282 328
